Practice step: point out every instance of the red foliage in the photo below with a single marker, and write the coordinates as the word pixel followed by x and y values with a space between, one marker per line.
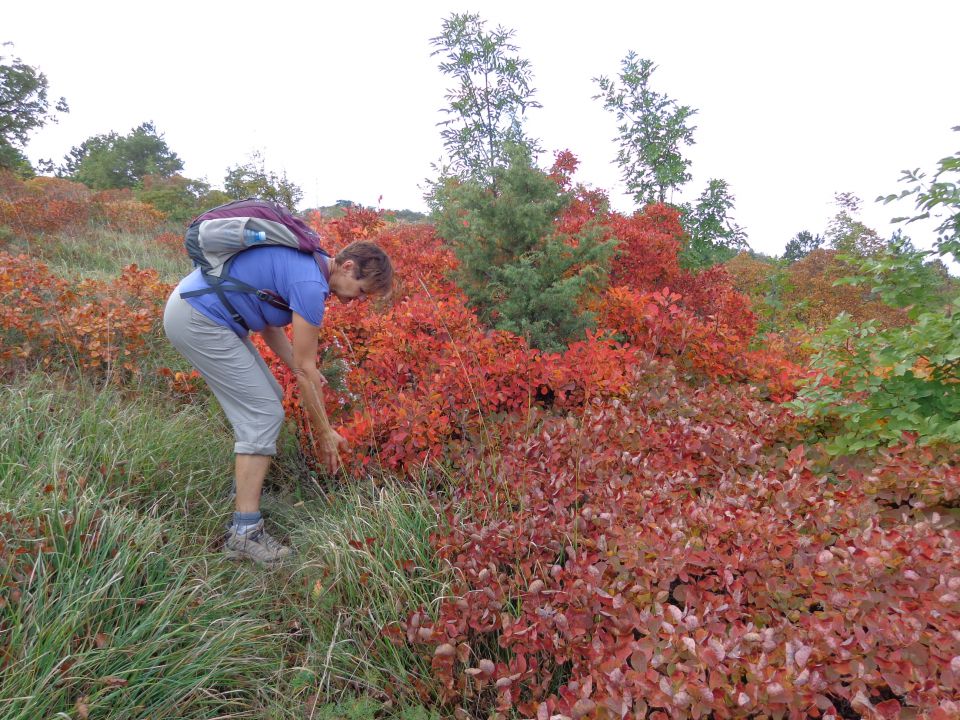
pixel 119 211
pixel 172 242
pixel 711 294
pixel 716 345
pixel 31 215
pixel 358 223
pixel 99 327
pixel 632 535
pixel 183 384
pixel 46 205
pixel 647 253
pixel 565 164
pixel 662 554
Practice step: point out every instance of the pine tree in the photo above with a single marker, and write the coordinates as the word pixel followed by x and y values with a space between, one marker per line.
pixel 516 271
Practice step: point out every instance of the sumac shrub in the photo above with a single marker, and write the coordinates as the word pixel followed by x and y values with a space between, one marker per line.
pixel 99 328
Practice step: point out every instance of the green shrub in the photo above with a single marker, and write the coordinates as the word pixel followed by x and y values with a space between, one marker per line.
pixel 884 386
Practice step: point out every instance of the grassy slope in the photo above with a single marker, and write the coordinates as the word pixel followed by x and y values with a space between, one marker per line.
pixel 114 601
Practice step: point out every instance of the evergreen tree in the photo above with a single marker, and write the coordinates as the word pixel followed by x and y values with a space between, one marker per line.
pixel 517 272
pixel 801 245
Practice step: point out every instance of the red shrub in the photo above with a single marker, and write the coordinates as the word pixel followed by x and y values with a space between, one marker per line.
pixel 661 557
pixel 647 254
pixel 125 215
pixel 633 535
pixel 98 327
pixel 34 214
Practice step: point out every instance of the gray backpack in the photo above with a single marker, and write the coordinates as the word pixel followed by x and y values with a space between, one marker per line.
pixel 215 237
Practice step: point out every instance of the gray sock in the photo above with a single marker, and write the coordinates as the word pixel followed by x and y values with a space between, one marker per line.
pixel 245 520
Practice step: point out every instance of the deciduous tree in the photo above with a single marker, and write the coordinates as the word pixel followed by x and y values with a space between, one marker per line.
pixel 847 233
pixel 178 197
pixel 24 107
pixel 489 99
pixel 713 236
pixel 801 245
pixel 652 130
pixel 112 161
pixel 254 180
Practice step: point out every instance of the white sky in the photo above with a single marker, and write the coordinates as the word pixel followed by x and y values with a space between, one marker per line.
pixel 796 101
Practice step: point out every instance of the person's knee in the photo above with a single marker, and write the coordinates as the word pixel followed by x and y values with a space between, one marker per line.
pixel 258 436
pixel 274 419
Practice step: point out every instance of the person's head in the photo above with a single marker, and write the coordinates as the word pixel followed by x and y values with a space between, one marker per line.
pixel 360 269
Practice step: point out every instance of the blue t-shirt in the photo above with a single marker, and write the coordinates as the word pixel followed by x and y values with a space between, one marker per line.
pixel 292 274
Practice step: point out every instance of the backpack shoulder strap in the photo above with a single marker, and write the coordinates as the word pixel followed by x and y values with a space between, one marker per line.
pixel 323 261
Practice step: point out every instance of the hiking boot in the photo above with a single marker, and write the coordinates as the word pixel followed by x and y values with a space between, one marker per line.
pixel 256 544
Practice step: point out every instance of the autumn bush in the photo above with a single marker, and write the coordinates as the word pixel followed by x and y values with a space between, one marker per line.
pixel 817 299
pixel 42 205
pixel 126 214
pixel 100 328
pixel 665 555
pixel 426 377
pixel 46 205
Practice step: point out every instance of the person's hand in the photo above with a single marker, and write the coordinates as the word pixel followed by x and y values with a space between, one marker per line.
pixel 329 446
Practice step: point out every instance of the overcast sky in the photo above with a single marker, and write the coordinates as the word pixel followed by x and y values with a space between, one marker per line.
pixel 796 102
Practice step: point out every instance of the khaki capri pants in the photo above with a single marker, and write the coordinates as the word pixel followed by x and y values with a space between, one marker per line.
pixel 247 391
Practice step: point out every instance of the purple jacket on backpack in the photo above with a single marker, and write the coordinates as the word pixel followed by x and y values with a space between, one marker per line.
pixel 218 234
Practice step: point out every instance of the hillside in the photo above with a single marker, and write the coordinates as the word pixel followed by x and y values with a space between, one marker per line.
pixel 639 524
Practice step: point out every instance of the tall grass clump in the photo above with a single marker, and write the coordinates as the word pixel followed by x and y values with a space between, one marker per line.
pixel 114 600
pixel 364 559
pixel 105 608
pixel 100 253
pixel 103 614
pixel 145 450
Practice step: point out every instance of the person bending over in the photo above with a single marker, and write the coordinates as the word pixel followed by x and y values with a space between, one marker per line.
pixel 208 335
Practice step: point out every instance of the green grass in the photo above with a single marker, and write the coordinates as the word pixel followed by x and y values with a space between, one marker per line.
pixel 99 253
pixel 114 610
pixel 365 561
pixel 113 595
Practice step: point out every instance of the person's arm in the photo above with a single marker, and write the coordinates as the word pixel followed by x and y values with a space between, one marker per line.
pixel 276 340
pixel 311 382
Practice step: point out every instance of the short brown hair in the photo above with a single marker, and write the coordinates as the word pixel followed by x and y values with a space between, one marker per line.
pixel 370 261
